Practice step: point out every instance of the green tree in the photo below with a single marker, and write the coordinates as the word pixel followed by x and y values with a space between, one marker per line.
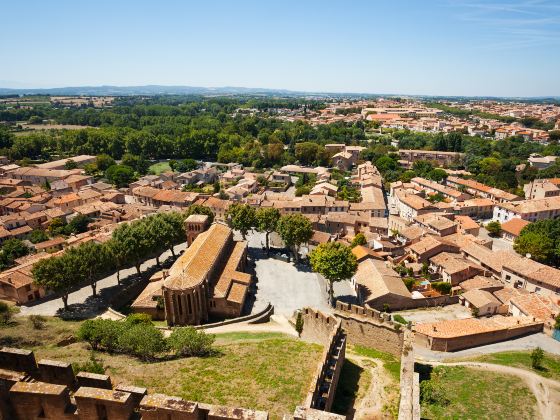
pixel 494 228
pixel 335 262
pixel 540 247
pixel 199 209
pixel 359 239
pixel 299 324
pixel 79 224
pixel 120 175
pixel 242 217
pixel 94 260
pixel 294 229
pixel 537 357
pixel 58 274
pixel 142 340
pixel 104 162
pixel 13 248
pixel 267 219
pixel 6 312
pixel 37 236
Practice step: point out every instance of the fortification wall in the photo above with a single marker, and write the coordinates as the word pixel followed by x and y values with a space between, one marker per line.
pixel 326 330
pixel 370 328
pixel 409 405
pixel 50 390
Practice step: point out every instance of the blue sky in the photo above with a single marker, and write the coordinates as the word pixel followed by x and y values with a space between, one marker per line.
pixel 439 47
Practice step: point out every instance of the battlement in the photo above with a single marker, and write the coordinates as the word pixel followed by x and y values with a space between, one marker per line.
pixel 372 314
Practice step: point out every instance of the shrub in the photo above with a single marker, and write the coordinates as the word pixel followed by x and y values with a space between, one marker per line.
pixel 101 333
pixel 409 283
pixel 135 319
pixel 92 366
pixel 537 356
pixel 441 286
pixel 398 318
pixel 142 340
pixel 433 393
pixel 37 321
pixel 6 312
pixel 186 341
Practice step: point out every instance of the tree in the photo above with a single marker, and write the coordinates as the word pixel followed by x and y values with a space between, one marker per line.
pixel 294 229
pixel 58 273
pixel 103 162
pixel 494 228
pixel 199 209
pixel 94 260
pixel 120 175
pixel 14 248
pixel 540 247
pixel 37 236
pixel 299 324
pixel 335 262
pixel 176 230
pixel 267 219
pixel 242 217
pixel 56 226
pixel 188 342
pixel 79 224
pixel 537 356
pixel 142 340
pixel 359 239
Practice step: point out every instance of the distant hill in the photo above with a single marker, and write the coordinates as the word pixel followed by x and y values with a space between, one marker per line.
pixel 151 90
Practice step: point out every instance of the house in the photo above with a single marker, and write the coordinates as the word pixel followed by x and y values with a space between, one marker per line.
pixel 430 246
pixel 490 284
pixel 511 229
pixel 531 275
pixel 477 208
pixel 541 162
pixel 453 268
pixel 80 162
pixel 481 302
pixel 411 205
pixel 378 285
pixel 534 306
pixel 442 158
pixel 480 190
pixel 530 210
pixel 542 188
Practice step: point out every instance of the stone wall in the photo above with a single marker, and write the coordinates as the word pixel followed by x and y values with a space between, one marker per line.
pixel 326 330
pixel 409 303
pixel 49 390
pixel 370 328
pixel 409 405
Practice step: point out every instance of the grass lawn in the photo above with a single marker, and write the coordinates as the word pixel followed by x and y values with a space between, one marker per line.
pixel 477 394
pixel 158 168
pixel 266 371
pixel 522 359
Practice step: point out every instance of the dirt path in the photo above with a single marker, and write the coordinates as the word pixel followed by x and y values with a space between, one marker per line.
pixel 547 391
pixel 371 405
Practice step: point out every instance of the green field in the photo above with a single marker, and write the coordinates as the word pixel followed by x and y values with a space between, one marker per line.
pixel 478 394
pixel 522 359
pixel 266 371
pixel 158 168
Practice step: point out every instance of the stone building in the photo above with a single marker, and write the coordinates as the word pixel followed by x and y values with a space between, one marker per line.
pixel 207 281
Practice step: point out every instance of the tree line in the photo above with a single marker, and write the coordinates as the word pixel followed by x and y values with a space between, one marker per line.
pixel 130 245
